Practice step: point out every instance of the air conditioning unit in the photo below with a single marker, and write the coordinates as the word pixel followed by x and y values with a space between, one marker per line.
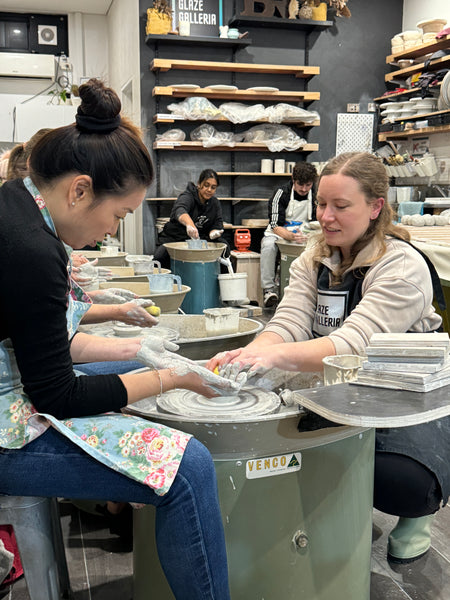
pixel 39 66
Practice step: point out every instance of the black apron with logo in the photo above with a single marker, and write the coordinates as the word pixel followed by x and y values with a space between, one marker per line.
pixel 428 443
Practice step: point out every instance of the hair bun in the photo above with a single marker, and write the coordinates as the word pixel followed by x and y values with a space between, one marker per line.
pixel 99 111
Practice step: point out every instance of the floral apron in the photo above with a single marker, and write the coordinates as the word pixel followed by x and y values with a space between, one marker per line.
pixel 148 452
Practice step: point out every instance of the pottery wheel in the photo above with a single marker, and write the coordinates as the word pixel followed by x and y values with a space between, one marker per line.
pixel 251 401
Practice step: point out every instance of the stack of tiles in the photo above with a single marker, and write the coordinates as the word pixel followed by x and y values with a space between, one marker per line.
pixel 418 362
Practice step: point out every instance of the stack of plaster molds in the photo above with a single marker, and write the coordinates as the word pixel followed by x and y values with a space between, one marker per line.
pixel 418 362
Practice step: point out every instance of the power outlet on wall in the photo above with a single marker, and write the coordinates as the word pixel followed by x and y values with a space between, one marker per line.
pixel 353 108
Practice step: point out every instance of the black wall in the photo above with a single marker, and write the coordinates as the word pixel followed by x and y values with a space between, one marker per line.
pixel 351 55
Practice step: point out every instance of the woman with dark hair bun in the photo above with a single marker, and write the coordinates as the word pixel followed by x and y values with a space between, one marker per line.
pixel 65 436
pixel 195 214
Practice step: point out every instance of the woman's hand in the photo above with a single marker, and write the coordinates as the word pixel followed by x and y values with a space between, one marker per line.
pixel 78 260
pixel 192 232
pixel 133 314
pixel 221 359
pixel 194 383
pixel 215 233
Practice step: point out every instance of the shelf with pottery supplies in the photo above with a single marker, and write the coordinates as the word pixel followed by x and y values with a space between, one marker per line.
pixel 206 92
pixel 434 65
pixel 410 92
pixel 278 23
pixel 392 135
pixel 232 200
pixel 167 39
pixel 251 174
pixel 165 64
pixel 238 147
pixel 168 118
pixel 421 50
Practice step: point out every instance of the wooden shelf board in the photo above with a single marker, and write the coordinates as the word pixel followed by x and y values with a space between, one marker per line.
pixel 435 65
pixel 419 50
pixel 422 116
pixel 278 23
pixel 251 174
pixel 388 135
pixel 157 119
pixel 229 226
pixel 165 64
pixel 405 93
pixel 167 38
pixel 298 96
pixel 242 146
pixel 234 200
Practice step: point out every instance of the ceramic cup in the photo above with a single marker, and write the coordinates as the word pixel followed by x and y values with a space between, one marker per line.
pixel 163 282
pixel 184 28
pixel 290 167
pixel 341 368
pixel 267 165
pixel 280 165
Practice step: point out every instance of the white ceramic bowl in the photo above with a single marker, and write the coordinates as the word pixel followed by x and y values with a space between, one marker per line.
pixel 432 25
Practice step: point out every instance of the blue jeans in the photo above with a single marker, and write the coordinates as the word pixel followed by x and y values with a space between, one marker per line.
pixel 107 367
pixel 189 531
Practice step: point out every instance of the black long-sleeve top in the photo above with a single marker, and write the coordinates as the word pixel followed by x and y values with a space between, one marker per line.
pixel 33 303
pixel 206 216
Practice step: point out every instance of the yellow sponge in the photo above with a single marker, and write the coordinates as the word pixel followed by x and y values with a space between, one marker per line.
pixel 155 311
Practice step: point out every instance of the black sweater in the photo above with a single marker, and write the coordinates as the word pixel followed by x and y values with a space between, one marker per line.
pixel 206 217
pixel 33 302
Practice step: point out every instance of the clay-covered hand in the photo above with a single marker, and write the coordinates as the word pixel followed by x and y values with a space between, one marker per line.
pixel 156 356
pixel 104 273
pixel 144 302
pixel 192 232
pixel 135 314
pixel 115 296
pixel 215 233
pixel 241 364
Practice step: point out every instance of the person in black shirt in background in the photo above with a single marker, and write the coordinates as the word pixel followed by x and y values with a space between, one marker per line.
pixel 196 214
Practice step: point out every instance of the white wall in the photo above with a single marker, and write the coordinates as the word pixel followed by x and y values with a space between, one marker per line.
pixel 124 77
pixel 88 54
pixel 418 10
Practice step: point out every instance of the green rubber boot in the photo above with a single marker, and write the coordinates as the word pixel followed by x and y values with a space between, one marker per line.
pixel 410 539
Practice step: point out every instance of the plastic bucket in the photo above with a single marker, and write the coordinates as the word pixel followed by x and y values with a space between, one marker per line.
pixel 233 286
pixel 221 321
pixel 142 263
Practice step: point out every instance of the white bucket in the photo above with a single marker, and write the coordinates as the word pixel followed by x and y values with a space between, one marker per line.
pixel 233 286
pixel 221 321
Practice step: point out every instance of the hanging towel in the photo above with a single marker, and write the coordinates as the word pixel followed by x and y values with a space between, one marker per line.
pixel 410 208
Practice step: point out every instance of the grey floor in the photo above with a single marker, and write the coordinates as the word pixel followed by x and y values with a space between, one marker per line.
pixel 101 563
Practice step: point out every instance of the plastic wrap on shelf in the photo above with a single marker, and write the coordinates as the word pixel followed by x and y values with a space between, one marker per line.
pixel 210 137
pixel 275 137
pixel 194 109
pixel 171 135
pixel 285 112
pixel 236 112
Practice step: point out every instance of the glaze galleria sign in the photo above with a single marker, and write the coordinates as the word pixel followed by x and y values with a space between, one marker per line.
pixel 205 16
